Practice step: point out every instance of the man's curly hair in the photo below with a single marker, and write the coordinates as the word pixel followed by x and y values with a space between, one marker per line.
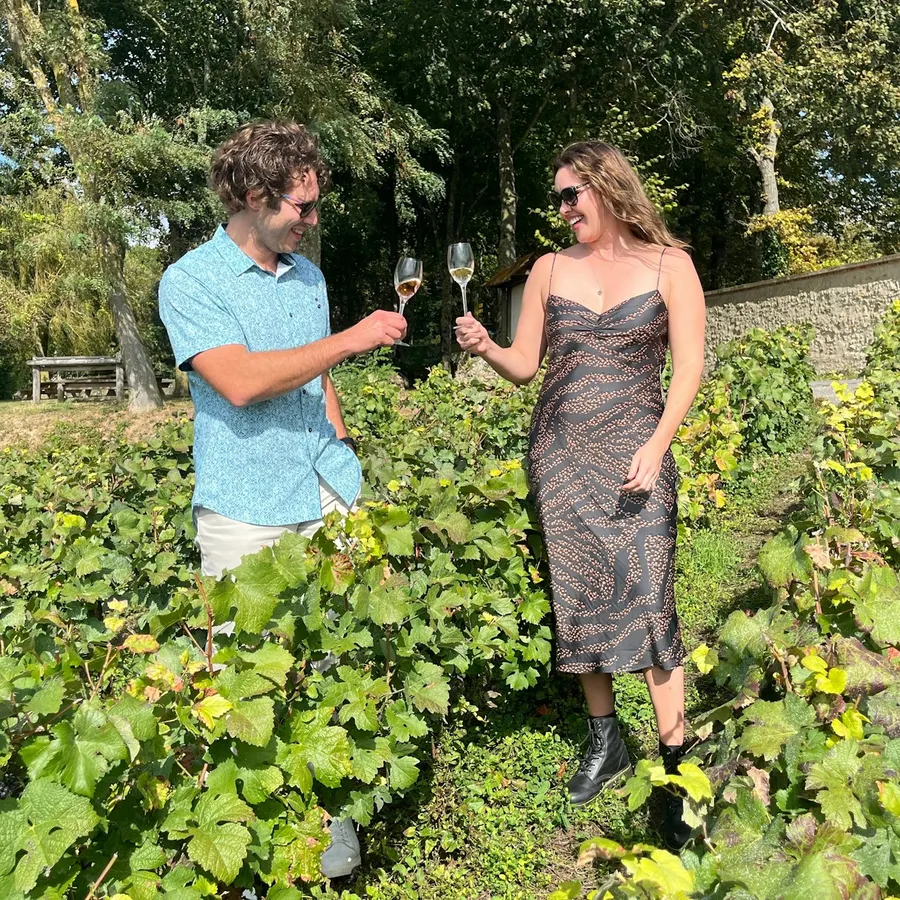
pixel 265 157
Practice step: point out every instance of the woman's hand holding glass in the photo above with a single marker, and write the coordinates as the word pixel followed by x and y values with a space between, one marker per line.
pixel 471 335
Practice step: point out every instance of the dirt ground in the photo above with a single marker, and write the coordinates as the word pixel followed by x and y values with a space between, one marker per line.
pixel 25 423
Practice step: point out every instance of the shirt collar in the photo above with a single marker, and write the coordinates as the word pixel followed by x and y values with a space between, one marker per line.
pixel 238 261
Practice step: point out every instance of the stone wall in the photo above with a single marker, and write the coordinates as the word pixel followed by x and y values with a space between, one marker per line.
pixel 843 304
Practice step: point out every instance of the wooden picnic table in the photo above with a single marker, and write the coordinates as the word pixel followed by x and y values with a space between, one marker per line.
pixel 73 374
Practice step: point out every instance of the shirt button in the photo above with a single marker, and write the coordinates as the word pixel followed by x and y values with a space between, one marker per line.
pixel 290 315
pixel 319 305
pixel 309 430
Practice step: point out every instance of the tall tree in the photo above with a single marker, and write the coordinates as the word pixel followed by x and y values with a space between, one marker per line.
pixel 59 50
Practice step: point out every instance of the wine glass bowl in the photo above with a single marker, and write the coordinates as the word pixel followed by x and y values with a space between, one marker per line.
pixel 461 264
pixel 407 280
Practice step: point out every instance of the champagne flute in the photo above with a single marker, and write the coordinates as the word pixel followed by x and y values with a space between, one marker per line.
pixel 407 280
pixel 461 263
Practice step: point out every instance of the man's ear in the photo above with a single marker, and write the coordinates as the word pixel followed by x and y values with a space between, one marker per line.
pixel 255 200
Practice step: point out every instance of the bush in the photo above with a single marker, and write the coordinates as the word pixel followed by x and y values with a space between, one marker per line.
pixel 143 743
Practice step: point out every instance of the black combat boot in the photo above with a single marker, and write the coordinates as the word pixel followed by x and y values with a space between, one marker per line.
pixel 676 832
pixel 606 759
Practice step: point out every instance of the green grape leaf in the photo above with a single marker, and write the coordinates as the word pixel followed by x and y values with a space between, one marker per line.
pixel 774 724
pixel 48 699
pixel 877 605
pixel 252 590
pixel 404 770
pixel 427 688
pixel 325 747
pixel 55 819
pixel 252 721
pixel 80 753
pixel 831 779
pixel 404 723
pixel 783 561
pixel 271 661
pixel 220 849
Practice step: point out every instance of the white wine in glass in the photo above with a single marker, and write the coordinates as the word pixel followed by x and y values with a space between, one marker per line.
pixel 407 280
pixel 461 263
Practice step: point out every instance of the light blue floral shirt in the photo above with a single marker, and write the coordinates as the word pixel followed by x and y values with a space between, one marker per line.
pixel 259 463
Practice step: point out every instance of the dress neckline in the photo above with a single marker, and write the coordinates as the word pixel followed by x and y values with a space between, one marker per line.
pixel 621 303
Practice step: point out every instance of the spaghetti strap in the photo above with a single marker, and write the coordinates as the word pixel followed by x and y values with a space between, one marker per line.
pixel 659 270
pixel 550 283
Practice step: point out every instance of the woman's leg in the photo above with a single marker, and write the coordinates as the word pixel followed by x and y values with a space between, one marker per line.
pixel 667 694
pixel 598 693
pixel 606 757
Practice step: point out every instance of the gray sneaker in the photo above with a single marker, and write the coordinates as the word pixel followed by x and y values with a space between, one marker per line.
pixel 342 855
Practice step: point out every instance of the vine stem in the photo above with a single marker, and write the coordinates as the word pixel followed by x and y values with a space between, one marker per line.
pixel 96 687
pixel 209 626
pixel 103 875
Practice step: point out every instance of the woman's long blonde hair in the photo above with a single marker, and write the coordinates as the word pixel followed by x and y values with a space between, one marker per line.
pixel 619 186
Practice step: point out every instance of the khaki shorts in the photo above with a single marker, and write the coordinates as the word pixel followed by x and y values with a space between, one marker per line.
pixel 223 542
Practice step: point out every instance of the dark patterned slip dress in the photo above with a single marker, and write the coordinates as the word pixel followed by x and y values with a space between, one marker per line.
pixel 611 554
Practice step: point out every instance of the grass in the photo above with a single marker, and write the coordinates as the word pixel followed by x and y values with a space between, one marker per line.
pixel 23 423
pixel 490 819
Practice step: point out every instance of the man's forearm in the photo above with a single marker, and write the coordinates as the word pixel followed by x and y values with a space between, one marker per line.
pixel 244 377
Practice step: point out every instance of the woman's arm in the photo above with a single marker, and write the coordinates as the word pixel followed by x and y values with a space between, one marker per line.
pixel 520 362
pixel 687 329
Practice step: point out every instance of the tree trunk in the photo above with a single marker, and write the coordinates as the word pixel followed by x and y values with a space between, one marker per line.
pixel 144 391
pixel 506 250
pixel 764 157
pixel 180 388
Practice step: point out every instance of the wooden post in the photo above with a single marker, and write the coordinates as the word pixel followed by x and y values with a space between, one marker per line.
pixel 120 382
pixel 35 384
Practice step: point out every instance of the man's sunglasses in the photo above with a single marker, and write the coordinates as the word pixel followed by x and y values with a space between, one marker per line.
pixel 304 208
pixel 568 195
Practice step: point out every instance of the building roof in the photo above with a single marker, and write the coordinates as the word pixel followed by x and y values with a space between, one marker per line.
pixel 516 272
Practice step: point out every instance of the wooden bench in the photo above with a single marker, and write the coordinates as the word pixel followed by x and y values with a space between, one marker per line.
pixel 84 376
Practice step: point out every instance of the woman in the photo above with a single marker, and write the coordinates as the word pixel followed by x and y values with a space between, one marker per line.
pixel 605 311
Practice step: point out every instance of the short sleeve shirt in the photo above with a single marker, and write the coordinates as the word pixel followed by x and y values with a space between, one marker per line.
pixel 260 463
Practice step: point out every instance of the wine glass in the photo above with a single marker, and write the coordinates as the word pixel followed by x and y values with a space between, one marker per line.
pixel 461 263
pixel 407 280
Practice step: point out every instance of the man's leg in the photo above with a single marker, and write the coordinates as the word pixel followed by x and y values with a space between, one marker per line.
pixel 342 855
pixel 223 542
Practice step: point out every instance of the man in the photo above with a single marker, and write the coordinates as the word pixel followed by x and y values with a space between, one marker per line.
pixel 248 319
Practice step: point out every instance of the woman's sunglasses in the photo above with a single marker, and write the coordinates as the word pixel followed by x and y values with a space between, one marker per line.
pixel 304 208
pixel 568 195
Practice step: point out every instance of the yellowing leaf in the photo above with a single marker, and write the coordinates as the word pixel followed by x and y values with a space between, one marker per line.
pixel 705 659
pixel 663 870
pixel 114 623
pixel 889 796
pixel 814 663
pixel 211 708
pixel 833 683
pixel 141 643
pixel 850 725
pixel 694 781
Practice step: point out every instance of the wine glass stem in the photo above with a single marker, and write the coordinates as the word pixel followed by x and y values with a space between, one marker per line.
pixel 401 305
pixel 465 305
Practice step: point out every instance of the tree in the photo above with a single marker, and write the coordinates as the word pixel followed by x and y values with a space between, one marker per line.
pixel 59 51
